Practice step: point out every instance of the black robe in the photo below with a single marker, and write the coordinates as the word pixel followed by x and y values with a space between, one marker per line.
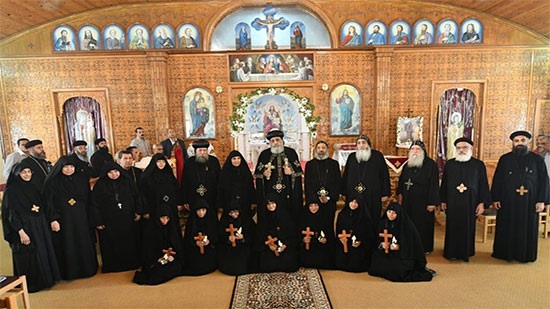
pixel 325 174
pixel 36 260
pixel 424 191
pixel 236 183
pixel 135 174
pixel 238 260
pixel 371 177
pixel 408 264
pixel 40 169
pixel 98 160
pixel 197 264
pixel 516 236
pixel 68 202
pixel 321 224
pixel 200 181
pixel 277 224
pixel 82 167
pixel 157 240
pixel 287 188
pixel 115 205
pixel 356 223
pixel 460 226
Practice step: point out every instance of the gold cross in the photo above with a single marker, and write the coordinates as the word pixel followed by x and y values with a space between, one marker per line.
pixel 35 208
pixel 522 190
pixel 269 166
pixel 201 190
pixel 461 188
pixel 71 202
pixel 409 184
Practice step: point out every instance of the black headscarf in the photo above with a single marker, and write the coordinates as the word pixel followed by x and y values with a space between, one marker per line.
pixel 153 173
pixel 236 180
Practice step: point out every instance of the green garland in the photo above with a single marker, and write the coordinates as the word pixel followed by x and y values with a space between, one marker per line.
pixel 305 107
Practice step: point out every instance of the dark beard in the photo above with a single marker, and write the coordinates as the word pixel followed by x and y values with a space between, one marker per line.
pixel 520 150
pixel 321 157
pixel 106 148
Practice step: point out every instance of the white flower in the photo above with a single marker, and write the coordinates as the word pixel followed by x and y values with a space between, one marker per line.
pixel 272 91
pixel 282 90
pixel 244 99
pixel 304 100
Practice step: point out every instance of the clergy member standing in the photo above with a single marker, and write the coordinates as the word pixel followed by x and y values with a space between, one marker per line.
pixel 519 192
pixel 366 173
pixel 418 190
pixel 464 195
pixel 37 163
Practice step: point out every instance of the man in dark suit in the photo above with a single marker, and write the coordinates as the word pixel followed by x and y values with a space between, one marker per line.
pixel 168 144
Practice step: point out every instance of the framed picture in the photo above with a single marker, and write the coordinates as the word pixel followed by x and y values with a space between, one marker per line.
pixel 423 32
pixel 400 33
pixel 163 36
pixel 297 35
pixel 113 37
pixel 198 111
pixel 64 39
pixel 138 37
pixel 89 39
pixel 408 130
pixel 352 34
pixel 242 36
pixel 267 67
pixel 472 31
pixel 376 33
pixel 188 36
pixel 447 32
pixel 345 110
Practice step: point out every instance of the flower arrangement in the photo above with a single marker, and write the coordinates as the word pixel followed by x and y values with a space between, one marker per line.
pixel 244 100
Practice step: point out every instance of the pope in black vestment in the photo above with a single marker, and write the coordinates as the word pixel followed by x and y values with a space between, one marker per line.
pixel 68 205
pixel 400 257
pixel 27 232
pixel 464 194
pixel 200 240
pixel 317 244
pixel 366 173
pixel 117 210
pixel 323 180
pixel 519 192
pixel 162 249
pixel 279 172
pixel 418 189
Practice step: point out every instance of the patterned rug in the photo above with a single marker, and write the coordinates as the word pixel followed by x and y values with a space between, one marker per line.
pixel 301 289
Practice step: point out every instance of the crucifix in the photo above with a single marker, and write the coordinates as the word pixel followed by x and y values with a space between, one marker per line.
pixel 462 188
pixel 308 234
pixel 408 111
pixel 409 183
pixel 270 167
pixel 232 231
pixel 35 208
pixel 200 238
pixel 344 236
pixel 386 236
pixel 522 190
pixel 270 23
pixel 271 241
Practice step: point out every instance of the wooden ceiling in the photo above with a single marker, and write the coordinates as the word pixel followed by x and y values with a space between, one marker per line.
pixel 19 15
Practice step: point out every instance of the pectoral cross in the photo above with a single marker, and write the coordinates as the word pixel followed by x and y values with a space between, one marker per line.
pixel 522 190
pixel 71 202
pixel 386 237
pixel 200 238
pixel 232 231
pixel 322 192
pixel 409 183
pixel 308 234
pixel 35 208
pixel 271 241
pixel 269 166
pixel 201 190
pixel 344 236
pixel 461 188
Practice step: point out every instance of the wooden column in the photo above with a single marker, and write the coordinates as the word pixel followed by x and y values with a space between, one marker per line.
pixel 383 57
pixel 159 86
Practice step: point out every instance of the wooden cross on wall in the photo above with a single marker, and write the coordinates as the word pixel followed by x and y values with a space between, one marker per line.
pixel 409 112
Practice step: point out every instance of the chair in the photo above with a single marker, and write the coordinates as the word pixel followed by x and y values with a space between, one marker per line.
pixel 489 219
pixel 543 219
pixel 12 287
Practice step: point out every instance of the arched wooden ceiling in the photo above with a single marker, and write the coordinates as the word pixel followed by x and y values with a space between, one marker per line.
pixel 19 15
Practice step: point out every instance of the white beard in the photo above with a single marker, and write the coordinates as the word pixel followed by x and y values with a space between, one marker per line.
pixel 201 159
pixel 277 149
pixel 363 155
pixel 82 157
pixel 415 161
pixel 464 157
pixel 321 157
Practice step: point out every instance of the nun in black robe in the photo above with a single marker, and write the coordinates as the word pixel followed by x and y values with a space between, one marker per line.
pixel 200 232
pixel 277 241
pixel 357 224
pixel 27 232
pixel 158 185
pixel 235 253
pixel 236 182
pixel 317 250
pixel 116 208
pixel 405 260
pixel 162 249
pixel 67 197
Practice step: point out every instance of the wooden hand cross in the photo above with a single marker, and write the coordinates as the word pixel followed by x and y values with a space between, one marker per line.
pixel 386 237
pixel 308 234
pixel 200 238
pixel 271 242
pixel 344 236
pixel 232 231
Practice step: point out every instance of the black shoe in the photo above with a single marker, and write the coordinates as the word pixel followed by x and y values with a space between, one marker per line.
pixel 431 271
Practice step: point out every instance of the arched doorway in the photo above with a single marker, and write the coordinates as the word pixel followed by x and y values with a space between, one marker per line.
pixel 83 120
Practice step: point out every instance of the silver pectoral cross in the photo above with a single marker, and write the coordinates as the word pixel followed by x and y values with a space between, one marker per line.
pixel 409 183
pixel 201 190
